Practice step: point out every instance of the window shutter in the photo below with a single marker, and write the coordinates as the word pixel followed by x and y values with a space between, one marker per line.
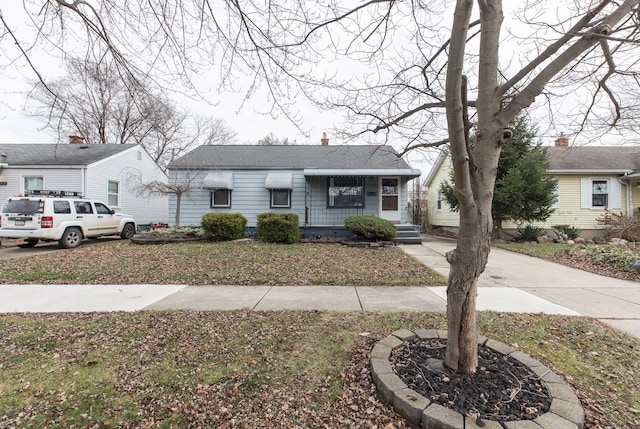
pixel 556 203
pixel 615 194
pixel 585 193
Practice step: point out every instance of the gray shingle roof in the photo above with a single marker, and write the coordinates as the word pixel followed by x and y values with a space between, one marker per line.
pixel 58 154
pixel 291 157
pixel 594 158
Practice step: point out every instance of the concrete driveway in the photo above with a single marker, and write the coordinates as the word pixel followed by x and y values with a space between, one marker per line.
pixel 615 302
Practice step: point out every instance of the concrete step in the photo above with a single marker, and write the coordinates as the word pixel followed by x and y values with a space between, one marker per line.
pixel 408 234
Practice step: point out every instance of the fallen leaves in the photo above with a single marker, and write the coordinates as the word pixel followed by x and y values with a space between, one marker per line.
pixel 227 263
pixel 196 369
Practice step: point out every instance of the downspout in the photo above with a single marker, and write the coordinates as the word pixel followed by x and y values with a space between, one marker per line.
pixel 627 185
pixel 83 184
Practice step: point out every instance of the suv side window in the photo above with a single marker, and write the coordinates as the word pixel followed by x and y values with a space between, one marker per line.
pixel 61 207
pixel 83 207
pixel 102 209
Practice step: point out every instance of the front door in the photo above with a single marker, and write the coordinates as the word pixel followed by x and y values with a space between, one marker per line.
pixel 390 199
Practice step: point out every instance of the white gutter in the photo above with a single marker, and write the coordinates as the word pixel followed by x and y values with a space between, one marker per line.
pixel 361 172
pixel 627 186
pixel 582 172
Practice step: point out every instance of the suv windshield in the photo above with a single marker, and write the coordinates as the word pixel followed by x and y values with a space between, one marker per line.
pixel 23 206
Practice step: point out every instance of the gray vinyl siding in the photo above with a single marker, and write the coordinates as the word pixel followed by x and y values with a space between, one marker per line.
pixel 249 196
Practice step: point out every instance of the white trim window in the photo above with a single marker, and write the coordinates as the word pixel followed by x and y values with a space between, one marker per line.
pixel 220 185
pixel 221 198
pixel 279 185
pixel 280 198
pixel 32 183
pixel 556 202
pixel 439 201
pixel 113 193
pixel 600 192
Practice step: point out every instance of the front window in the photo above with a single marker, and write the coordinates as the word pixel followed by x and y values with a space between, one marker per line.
pixel 113 193
pixel 102 209
pixel 439 201
pixel 599 193
pixel 345 192
pixel 221 198
pixel 33 183
pixel 280 198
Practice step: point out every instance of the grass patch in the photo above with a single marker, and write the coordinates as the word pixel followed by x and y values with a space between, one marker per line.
pixel 302 264
pixel 542 250
pixel 266 369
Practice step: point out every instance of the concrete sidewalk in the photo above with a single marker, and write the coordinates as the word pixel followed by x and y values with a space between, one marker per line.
pixel 511 283
pixel 615 302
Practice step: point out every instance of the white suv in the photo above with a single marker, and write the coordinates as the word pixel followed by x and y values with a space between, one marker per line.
pixel 60 216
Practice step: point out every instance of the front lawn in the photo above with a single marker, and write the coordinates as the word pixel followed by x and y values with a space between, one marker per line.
pixel 288 369
pixel 229 263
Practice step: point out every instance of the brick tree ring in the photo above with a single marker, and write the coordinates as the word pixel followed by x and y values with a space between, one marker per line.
pixel 565 410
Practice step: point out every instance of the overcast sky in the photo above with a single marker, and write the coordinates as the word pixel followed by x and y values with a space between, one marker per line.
pixel 252 121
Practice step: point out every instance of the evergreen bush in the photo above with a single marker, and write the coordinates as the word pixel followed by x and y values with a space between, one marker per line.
pixel 223 226
pixel 371 227
pixel 278 227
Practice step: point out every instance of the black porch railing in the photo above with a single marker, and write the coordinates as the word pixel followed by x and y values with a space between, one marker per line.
pixel 329 216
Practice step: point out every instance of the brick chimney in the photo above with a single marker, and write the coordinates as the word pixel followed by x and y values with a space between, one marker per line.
pixel 324 140
pixel 76 138
pixel 562 140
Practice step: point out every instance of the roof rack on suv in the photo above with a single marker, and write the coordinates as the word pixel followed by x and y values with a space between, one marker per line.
pixel 50 193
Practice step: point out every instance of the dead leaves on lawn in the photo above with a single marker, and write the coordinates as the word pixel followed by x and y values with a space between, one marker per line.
pixel 302 264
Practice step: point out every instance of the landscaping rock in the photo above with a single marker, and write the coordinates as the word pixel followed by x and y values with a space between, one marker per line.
pixel 410 388
pixel 618 242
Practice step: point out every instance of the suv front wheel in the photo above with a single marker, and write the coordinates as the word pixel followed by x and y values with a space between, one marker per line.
pixel 71 238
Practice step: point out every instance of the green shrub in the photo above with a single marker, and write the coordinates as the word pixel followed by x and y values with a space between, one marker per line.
pixel 223 226
pixel 529 233
pixel 278 227
pixel 370 227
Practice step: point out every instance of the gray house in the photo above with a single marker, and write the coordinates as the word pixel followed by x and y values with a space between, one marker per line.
pixel 322 184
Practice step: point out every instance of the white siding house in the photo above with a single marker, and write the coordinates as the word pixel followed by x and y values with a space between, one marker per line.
pixel 107 173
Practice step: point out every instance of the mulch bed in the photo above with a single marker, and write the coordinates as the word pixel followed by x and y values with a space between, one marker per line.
pixel 502 389
pixel 586 264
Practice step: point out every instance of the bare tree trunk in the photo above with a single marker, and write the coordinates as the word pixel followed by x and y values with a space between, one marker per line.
pixel 498 232
pixel 468 261
pixel 178 200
